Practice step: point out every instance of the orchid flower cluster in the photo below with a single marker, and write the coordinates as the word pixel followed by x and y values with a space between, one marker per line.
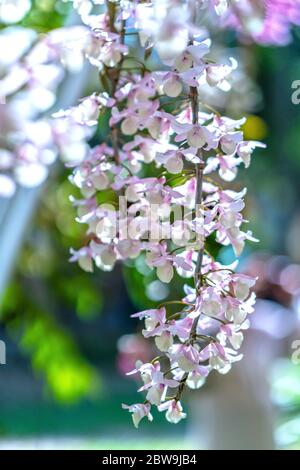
pixel 159 124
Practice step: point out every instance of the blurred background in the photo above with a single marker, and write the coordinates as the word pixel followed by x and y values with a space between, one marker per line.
pixel 68 334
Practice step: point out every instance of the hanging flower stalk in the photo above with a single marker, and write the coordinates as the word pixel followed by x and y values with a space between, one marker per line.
pixel 158 120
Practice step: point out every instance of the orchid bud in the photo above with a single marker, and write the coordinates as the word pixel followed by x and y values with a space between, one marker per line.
pixel 183 62
pixel 195 380
pixel 196 137
pixel 236 315
pixel 175 412
pixel 241 290
pixel 111 57
pixel 244 152
pixel 87 189
pixel 154 395
pixel 100 181
pixel 211 308
pixel 154 127
pixel 236 340
pixel 148 152
pixel 108 257
pixel 228 219
pixel 150 323
pixel 174 165
pixel 217 363
pixel 86 264
pixel 213 75
pixel 132 193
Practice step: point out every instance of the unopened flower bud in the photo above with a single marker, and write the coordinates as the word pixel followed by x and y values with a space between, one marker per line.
pixel 164 341
pixel 172 86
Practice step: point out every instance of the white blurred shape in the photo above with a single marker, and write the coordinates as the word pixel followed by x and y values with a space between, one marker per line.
pixel 14 42
pixel 31 175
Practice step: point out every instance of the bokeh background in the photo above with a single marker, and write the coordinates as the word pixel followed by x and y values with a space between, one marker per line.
pixel 69 337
